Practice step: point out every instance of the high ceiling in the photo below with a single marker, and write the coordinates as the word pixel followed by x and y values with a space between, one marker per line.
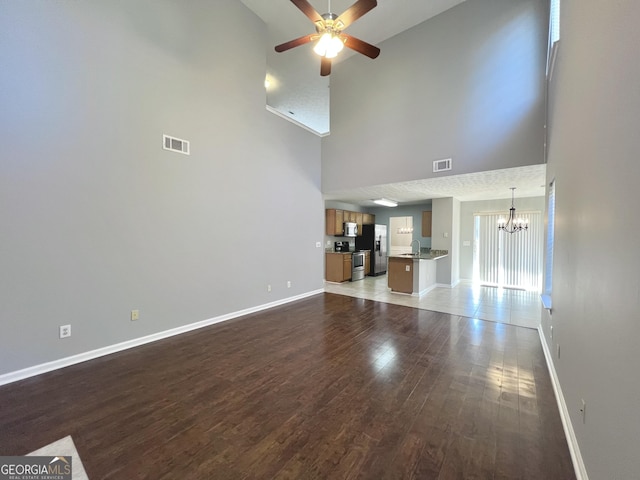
pixel 296 88
pixel 298 92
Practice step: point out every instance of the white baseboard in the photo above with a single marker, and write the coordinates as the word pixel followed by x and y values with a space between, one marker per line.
pixel 118 347
pixel 445 285
pixel 574 448
pixel 425 291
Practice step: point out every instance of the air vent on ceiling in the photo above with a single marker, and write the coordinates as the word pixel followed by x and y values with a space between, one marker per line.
pixel 442 165
pixel 175 144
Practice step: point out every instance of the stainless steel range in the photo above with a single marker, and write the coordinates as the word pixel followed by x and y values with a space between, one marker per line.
pixel 357 266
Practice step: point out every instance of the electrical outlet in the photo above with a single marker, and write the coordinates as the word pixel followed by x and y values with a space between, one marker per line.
pixel 407 268
pixel 318 244
pixel 269 288
pixel 583 410
pixel 135 315
pixel 289 284
pixel 65 331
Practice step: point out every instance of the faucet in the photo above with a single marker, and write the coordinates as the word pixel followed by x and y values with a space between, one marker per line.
pixel 419 249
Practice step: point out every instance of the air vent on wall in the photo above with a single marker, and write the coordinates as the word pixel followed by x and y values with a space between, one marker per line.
pixel 441 165
pixel 175 144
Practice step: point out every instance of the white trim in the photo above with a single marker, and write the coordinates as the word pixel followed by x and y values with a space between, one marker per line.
pixel 136 342
pixel 295 122
pixel 425 291
pixel 572 441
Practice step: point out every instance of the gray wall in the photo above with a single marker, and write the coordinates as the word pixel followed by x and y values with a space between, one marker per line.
pixel 445 236
pixel 593 156
pixel 467 209
pixel 467 84
pixel 98 220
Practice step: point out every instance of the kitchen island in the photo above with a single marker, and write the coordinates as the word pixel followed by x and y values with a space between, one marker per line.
pixel 413 274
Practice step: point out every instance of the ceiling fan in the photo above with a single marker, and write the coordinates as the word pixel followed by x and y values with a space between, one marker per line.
pixel 329 32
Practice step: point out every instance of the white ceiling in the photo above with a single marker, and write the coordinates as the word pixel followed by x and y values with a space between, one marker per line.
pixel 529 182
pixel 298 92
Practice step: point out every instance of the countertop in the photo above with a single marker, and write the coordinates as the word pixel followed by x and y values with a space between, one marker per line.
pixel 347 253
pixel 422 256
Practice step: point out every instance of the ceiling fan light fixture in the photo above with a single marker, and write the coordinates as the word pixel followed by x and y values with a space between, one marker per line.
pixel 386 203
pixel 329 45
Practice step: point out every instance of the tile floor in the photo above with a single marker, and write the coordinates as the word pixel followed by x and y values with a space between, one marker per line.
pixel 516 307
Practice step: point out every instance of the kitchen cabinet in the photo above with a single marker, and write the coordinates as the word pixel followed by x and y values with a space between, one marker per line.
pixel 346 267
pixel 334 220
pixel 367 262
pixel 337 267
pixel 368 219
pixel 426 224
pixel 359 222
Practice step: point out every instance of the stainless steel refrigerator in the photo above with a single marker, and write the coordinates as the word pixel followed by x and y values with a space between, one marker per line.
pixel 374 238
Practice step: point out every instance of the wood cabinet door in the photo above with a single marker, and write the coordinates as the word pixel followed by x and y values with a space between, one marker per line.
pixel 359 222
pixel 426 224
pixel 339 223
pixel 367 263
pixel 330 221
pixel 368 219
pixel 346 272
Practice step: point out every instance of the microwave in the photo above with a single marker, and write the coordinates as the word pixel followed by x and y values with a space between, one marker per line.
pixel 350 229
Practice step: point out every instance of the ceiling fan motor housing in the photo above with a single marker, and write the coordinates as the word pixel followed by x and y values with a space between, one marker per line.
pixel 328 24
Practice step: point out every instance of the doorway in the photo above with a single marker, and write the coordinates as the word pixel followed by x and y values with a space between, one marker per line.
pixel 400 235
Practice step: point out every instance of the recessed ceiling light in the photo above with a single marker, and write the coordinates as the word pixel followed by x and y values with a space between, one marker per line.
pixel 386 203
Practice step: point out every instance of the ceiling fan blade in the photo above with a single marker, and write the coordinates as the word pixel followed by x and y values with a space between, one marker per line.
pixel 283 47
pixel 354 12
pixel 360 46
pixel 325 66
pixel 306 8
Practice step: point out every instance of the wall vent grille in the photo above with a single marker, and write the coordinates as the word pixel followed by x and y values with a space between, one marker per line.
pixel 442 165
pixel 175 144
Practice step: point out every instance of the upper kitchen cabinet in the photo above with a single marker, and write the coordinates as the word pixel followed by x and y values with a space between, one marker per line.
pixel 426 224
pixel 334 221
pixel 368 219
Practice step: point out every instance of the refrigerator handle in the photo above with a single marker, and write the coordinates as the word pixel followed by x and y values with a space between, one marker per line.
pixel 380 246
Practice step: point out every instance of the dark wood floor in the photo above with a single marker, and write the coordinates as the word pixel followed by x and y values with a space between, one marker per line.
pixel 328 387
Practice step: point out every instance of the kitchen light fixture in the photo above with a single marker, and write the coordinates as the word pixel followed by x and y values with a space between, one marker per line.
pixel 513 224
pixel 386 203
pixel 406 229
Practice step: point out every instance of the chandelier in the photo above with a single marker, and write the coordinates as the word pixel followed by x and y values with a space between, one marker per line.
pixel 406 229
pixel 513 224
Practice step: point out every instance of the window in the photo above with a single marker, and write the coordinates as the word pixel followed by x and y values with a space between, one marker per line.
pixel 508 260
pixel 548 260
pixel 554 35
